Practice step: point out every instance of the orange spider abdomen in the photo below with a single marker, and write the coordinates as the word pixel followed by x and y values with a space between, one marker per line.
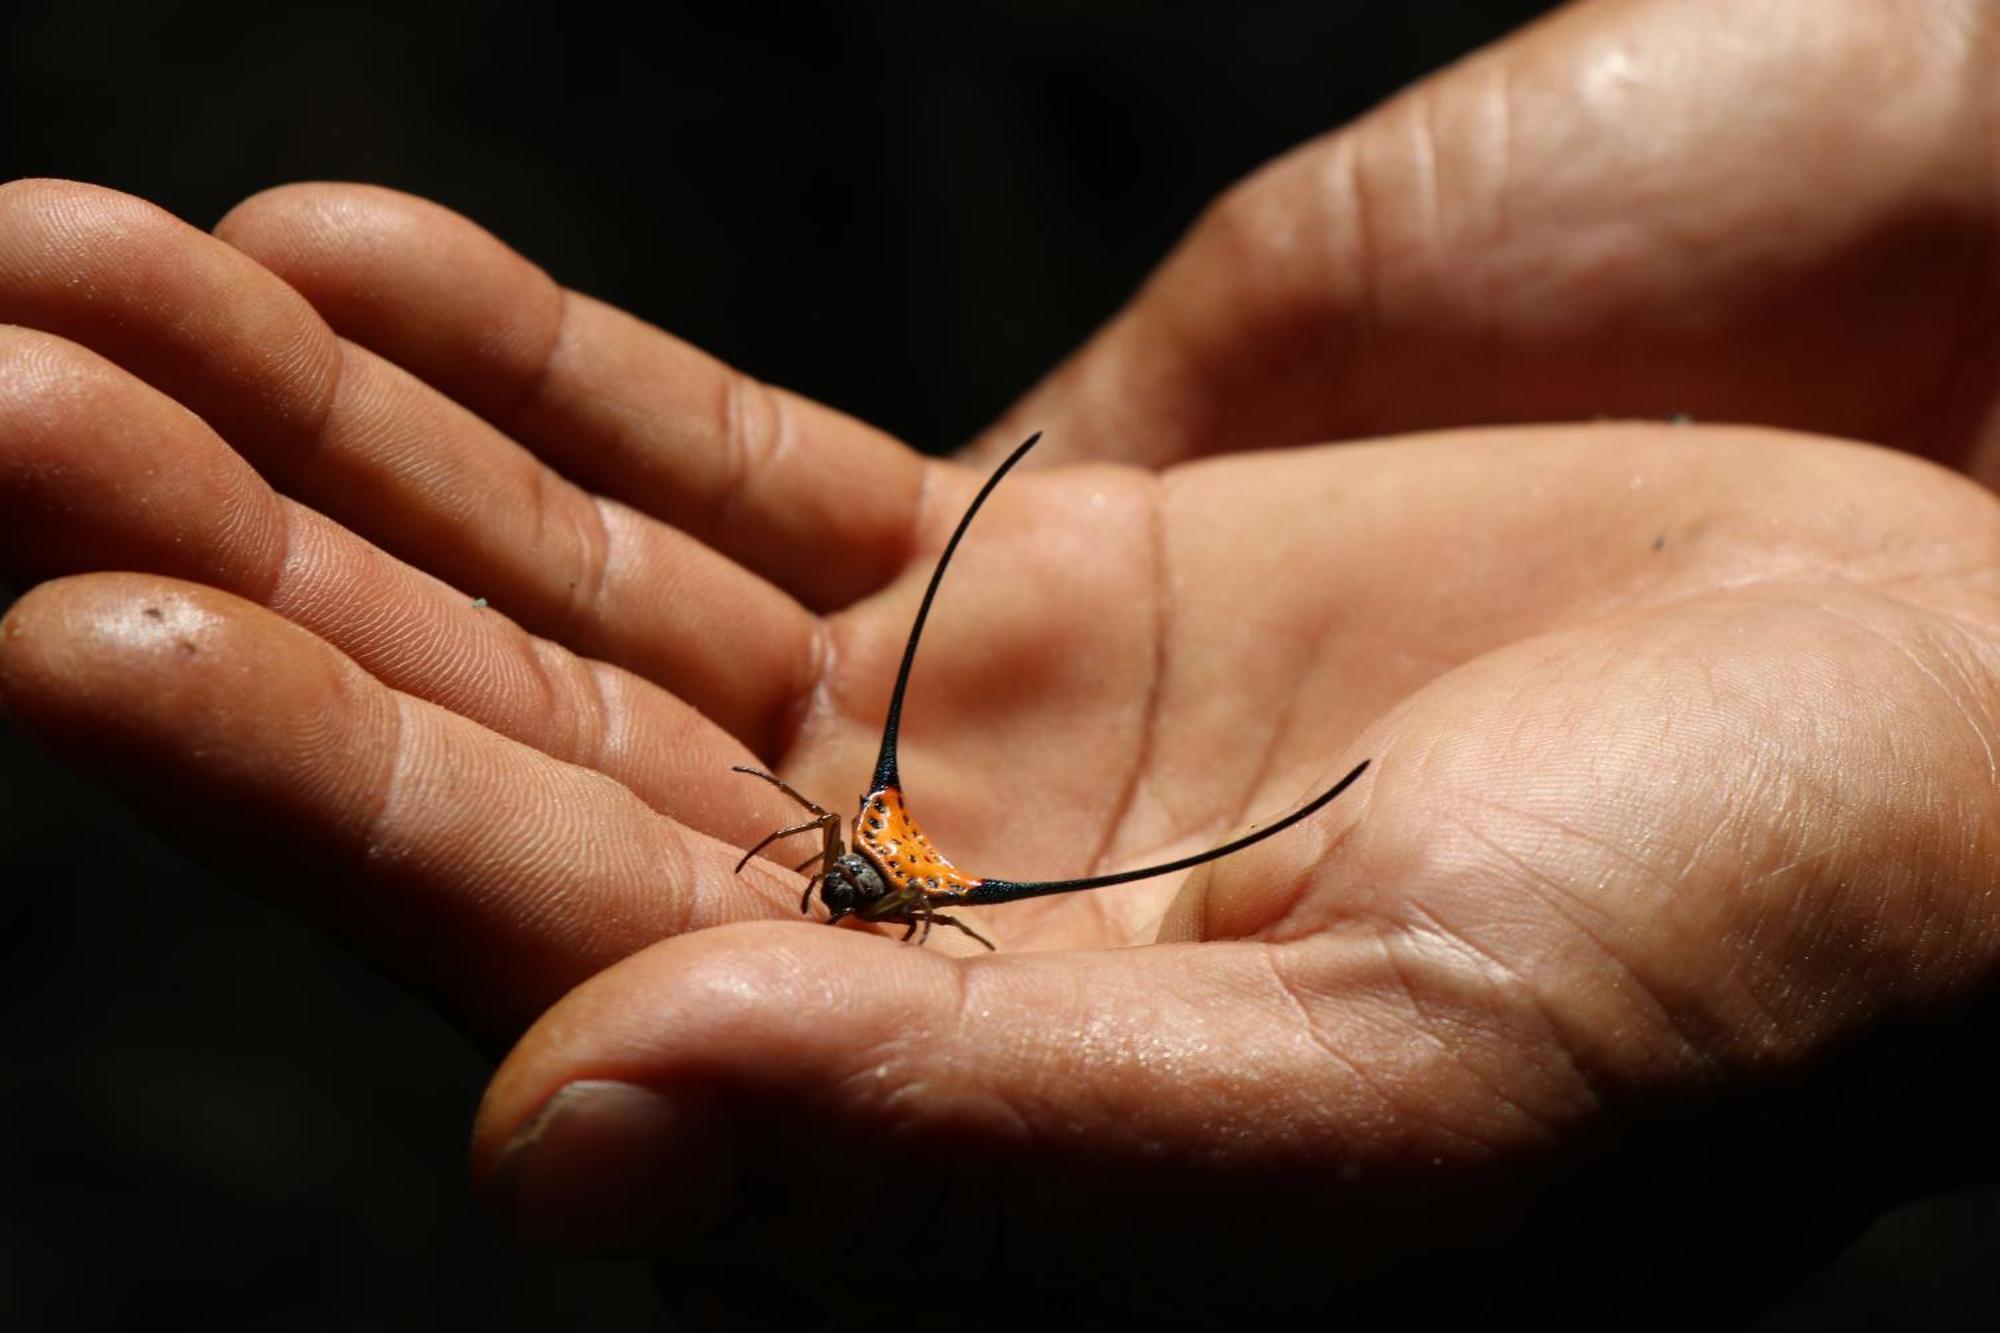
pixel 885 833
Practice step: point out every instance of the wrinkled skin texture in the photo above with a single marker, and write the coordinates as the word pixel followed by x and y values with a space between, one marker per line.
pixel 1642 966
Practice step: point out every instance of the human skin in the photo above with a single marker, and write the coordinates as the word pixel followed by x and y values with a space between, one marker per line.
pixel 1641 966
pixel 1777 211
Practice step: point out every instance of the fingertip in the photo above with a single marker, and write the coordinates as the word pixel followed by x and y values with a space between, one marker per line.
pixel 141 661
pixel 99 470
pixel 366 255
pixel 621 1119
pixel 785 996
pixel 39 371
pixel 41 205
pixel 169 304
pixel 286 227
pixel 608 1167
pixel 283 211
pixel 69 631
pixel 308 231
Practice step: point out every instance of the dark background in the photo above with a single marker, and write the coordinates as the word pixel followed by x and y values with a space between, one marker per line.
pixel 907 211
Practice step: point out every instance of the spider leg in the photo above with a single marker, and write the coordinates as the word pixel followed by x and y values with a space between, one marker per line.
pixel 956 924
pixel 782 786
pixel 823 819
pixel 811 824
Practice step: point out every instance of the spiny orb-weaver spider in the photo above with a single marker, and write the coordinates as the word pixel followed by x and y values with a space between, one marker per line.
pixel 894 874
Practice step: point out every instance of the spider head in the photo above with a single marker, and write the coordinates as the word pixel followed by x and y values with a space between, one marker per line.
pixel 850 885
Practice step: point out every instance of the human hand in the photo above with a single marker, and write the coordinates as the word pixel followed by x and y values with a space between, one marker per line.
pixel 1778 212
pixel 1681 791
pixel 506 940
pixel 1637 970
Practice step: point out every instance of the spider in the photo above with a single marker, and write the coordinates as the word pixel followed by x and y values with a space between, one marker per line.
pixel 894 874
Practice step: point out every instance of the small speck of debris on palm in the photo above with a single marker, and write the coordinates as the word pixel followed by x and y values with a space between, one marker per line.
pixel 479 601
pixel 1680 419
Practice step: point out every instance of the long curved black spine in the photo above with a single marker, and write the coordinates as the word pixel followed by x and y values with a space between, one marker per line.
pixel 886 774
pixel 1007 890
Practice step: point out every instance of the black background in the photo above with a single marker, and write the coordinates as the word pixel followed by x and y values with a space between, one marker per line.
pixel 907 211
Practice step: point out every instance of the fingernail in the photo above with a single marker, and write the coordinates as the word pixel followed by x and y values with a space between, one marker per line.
pixel 610 1168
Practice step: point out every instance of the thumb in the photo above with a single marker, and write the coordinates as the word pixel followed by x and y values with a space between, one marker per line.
pixel 1138 1129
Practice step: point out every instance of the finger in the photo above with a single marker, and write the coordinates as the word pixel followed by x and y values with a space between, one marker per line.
pixel 1086 1123
pixel 479 871
pixel 1566 226
pixel 100 472
pixel 812 499
pixel 345 432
